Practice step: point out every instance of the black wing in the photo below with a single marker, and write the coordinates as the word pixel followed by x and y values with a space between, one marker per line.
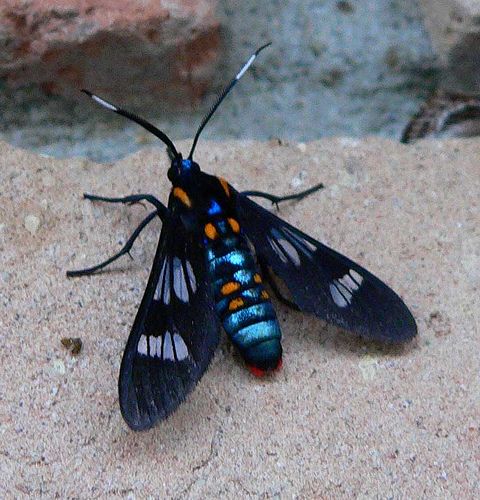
pixel 174 335
pixel 324 282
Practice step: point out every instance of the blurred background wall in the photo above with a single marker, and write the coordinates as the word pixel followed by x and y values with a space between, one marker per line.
pixel 336 67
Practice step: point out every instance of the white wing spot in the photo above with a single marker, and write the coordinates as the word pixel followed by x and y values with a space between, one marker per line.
pixel 290 250
pixel 357 277
pixel 348 283
pixel 166 283
pixel 179 283
pixel 103 103
pixel 337 297
pixel 191 276
pixel 180 347
pixel 301 241
pixel 158 290
pixel 159 346
pixel 277 250
pixel 142 345
pixel 342 290
pixel 167 352
pixel 152 342
pixel 151 345
pixel 284 248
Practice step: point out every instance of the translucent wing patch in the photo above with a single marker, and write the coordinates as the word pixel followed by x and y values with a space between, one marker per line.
pixel 167 346
pixel 323 281
pixel 174 335
pixel 176 277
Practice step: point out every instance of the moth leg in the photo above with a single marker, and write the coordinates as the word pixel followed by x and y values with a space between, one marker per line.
pixel 162 210
pixel 277 199
pixel 268 275
pixel 126 249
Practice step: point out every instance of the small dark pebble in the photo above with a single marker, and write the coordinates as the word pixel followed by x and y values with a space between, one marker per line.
pixel 74 345
pixel 344 6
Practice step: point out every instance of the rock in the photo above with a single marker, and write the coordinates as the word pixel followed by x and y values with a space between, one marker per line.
pixel 31 223
pixel 445 115
pixel 454 27
pixel 165 50
pixel 339 421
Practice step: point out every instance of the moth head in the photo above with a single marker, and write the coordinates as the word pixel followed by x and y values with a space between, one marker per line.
pixel 182 169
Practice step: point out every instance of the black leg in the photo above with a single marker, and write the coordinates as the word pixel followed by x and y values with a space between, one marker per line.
pixel 277 199
pixel 271 281
pixel 123 251
pixel 162 210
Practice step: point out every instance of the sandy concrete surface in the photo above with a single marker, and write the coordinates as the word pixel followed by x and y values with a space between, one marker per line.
pixel 344 418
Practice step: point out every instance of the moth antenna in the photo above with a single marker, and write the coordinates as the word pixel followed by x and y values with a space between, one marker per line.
pixel 224 94
pixel 137 119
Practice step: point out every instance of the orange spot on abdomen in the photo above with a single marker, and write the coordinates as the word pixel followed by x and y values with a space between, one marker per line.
pixel 235 304
pixel 230 287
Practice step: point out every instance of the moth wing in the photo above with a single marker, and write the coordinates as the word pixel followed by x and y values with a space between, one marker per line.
pixel 174 334
pixel 324 282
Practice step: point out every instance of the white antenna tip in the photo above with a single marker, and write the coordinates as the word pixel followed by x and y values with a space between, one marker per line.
pixel 245 67
pixel 103 103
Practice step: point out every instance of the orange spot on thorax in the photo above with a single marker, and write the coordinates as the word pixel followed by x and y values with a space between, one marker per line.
pixel 182 196
pixel 225 187
pixel 234 225
pixel 210 231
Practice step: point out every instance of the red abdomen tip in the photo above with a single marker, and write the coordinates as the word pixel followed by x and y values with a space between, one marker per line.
pixel 259 372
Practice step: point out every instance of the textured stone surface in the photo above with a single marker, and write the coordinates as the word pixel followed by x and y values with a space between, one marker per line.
pixel 445 115
pixel 334 68
pixel 454 26
pixel 344 418
pixel 160 50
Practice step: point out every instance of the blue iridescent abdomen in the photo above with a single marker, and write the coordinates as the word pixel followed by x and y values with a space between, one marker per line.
pixel 241 300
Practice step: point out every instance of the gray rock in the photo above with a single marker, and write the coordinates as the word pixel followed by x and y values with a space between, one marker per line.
pixel 454 26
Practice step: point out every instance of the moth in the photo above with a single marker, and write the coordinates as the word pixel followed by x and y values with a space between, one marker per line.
pixel 216 253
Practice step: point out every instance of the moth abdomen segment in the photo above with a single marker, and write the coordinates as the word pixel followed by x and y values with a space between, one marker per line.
pixel 241 301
